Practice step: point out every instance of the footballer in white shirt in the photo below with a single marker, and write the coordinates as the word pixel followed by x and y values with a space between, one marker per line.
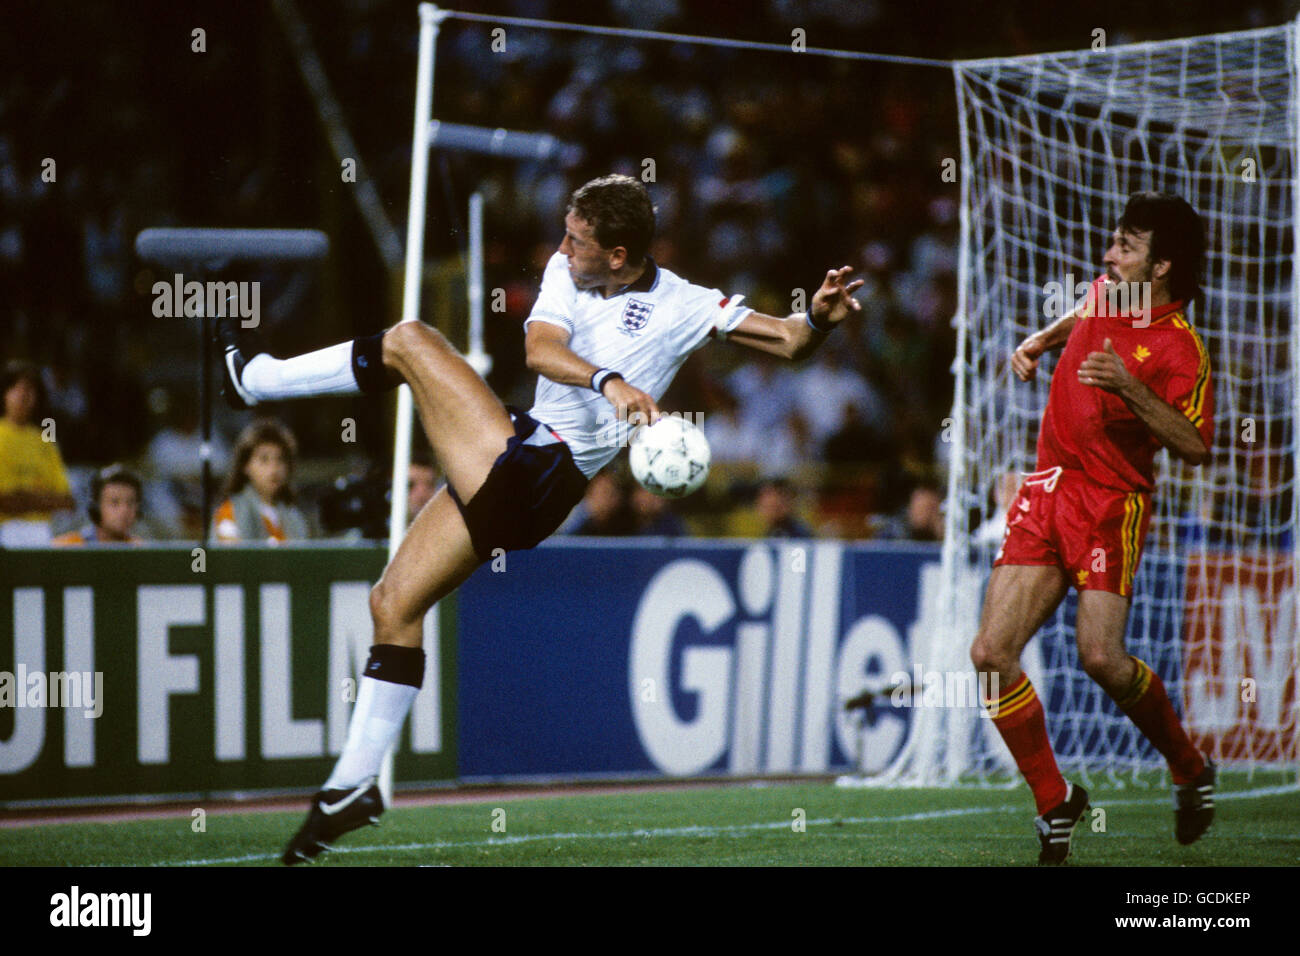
pixel 608 332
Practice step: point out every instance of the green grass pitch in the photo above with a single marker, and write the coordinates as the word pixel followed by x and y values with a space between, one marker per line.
pixel 778 824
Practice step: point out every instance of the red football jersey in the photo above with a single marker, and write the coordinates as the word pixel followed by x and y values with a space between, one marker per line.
pixel 1088 429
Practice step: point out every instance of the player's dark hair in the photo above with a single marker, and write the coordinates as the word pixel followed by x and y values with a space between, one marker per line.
pixel 1177 235
pixel 112 475
pixel 264 432
pixel 620 210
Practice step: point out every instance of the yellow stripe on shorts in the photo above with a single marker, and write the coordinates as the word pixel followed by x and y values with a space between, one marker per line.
pixel 1131 540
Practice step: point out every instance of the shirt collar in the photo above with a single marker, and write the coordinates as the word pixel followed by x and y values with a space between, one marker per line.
pixel 1157 314
pixel 645 282
pixel 1098 303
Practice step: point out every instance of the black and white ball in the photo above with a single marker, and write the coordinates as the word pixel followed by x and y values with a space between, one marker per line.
pixel 669 458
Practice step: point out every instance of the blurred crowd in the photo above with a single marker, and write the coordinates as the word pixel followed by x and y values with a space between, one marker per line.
pixel 767 169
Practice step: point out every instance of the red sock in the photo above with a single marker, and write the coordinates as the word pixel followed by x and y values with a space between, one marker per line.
pixel 1148 706
pixel 1018 716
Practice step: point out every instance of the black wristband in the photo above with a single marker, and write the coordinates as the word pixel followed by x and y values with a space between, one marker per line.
pixel 821 329
pixel 368 365
pixel 600 377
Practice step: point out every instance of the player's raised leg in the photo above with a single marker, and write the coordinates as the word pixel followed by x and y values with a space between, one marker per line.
pixel 466 423
pixel 1018 601
pixel 1140 693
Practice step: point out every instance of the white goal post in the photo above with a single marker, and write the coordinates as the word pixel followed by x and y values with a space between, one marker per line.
pixel 1051 147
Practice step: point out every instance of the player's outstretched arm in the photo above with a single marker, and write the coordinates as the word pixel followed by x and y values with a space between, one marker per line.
pixel 797 336
pixel 547 352
pixel 1024 361
pixel 1171 428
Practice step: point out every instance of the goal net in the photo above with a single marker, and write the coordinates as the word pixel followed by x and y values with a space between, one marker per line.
pixel 1051 148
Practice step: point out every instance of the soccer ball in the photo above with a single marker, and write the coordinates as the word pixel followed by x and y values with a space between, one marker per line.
pixel 669 458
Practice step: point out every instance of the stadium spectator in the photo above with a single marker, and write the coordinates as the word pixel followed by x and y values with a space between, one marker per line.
pixel 603 509
pixel 259 497
pixel 729 440
pixel 174 460
pixel 854 442
pixel 921 519
pixel 765 390
pixel 652 515
pixel 114 508
pixel 33 482
pixel 175 451
pixel 824 388
pixel 775 504
pixel 421 483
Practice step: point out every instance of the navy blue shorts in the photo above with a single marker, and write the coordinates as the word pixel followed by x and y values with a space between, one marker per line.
pixel 532 487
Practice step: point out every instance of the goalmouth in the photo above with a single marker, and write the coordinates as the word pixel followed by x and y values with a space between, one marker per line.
pixel 1052 145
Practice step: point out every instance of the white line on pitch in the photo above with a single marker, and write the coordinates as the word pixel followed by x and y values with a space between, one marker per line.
pixel 613 835
pixel 709 831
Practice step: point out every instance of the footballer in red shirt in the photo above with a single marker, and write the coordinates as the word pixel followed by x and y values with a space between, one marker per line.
pixel 1134 377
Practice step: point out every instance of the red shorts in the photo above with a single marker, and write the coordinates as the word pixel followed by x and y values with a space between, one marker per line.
pixel 1092 533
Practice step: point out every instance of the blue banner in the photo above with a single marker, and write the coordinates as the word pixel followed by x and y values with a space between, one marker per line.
pixel 588 657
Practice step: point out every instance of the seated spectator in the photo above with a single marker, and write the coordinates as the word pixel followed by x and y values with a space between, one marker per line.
pixel 114 508
pixel 766 392
pixel 921 520
pixel 421 483
pixel 33 482
pixel 775 506
pixel 174 462
pixel 651 515
pixel 826 385
pixel 603 509
pixel 259 496
pixel 854 442
pixel 729 440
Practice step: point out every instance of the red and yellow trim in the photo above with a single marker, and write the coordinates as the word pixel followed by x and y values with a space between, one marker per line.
pixel 1135 507
pixel 1194 407
pixel 1021 695
pixel 1135 691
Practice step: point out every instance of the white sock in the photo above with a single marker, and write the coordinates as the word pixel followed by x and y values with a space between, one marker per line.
pixel 327 371
pixel 376 719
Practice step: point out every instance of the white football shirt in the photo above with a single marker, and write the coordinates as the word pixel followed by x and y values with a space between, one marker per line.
pixel 644 332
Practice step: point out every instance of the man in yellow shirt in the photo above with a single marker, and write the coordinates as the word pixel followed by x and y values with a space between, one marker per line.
pixel 33 483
